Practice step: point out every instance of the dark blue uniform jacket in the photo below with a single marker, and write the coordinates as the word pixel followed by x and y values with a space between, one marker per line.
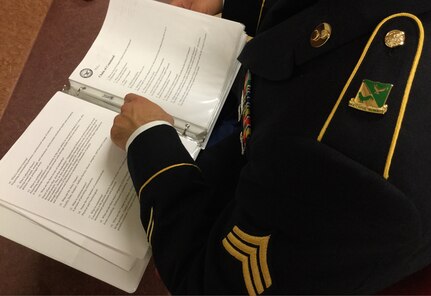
pixel 328 198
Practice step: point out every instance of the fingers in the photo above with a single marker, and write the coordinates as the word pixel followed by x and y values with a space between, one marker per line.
pixel 180 3
pixel 131 97
pixel 135 112
pixel 119 135
pixel 142 110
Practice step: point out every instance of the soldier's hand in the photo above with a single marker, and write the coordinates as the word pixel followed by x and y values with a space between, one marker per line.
pixel 135 112
pixel 211 7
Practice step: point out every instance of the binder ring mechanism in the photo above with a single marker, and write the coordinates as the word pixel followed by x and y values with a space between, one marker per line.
pixel 186 128
pixel 66 88
pixel 72 90
pixel 190 131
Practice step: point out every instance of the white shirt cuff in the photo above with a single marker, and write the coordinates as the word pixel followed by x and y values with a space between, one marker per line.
pixel 142 129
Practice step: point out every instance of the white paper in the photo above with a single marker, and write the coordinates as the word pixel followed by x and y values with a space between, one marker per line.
pixel 65 168
pixel 182 60
pixel 65 190
pixel 114 256
pixel 27 233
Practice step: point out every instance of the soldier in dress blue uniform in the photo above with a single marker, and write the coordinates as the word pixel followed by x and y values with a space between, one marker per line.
pixel 329 189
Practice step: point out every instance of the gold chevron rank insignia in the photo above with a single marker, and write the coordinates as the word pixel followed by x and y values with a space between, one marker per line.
pixel 251 251
pixel 372 97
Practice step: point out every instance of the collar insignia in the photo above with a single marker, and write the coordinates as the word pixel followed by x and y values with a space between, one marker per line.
pixel 251 251
pixel 372 97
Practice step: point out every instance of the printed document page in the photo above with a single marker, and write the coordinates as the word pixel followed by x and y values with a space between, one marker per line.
pixel 182 60
pixel 114 256
pixel 27 233
pixel 65 168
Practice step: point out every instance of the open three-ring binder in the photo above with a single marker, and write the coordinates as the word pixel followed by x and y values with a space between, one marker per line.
pixel 182 60
pixel 65 190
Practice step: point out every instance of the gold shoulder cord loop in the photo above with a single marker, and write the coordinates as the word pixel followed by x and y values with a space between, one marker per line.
pixel 258 20
pixel 406 91
pixel 260 14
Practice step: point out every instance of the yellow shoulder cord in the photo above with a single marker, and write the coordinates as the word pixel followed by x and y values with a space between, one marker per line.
pixel 406 91
pixel 260 14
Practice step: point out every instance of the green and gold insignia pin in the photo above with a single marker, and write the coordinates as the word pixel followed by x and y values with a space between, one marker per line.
pixel 372 97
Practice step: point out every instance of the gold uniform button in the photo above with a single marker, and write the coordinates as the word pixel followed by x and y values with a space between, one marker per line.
pixel 395 38
pixel 320 35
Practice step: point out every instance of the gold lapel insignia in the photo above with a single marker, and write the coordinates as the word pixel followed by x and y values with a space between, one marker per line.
pixel 372 97
pixel 395 38
pixel 251 251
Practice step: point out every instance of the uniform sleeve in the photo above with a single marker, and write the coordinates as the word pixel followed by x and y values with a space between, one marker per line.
pixel 310 222
pixel 179 207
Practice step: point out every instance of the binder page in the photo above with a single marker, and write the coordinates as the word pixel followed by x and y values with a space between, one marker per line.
pixel 178 58
pixel 27 233
pixel 114 256
pixel 65 168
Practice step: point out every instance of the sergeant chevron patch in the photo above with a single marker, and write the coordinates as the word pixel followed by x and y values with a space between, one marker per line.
pixel 251 251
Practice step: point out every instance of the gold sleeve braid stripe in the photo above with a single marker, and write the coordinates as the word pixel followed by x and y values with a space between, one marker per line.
pixel 150 226
pixel 406 91
pixel 164 170
pixel 251 251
